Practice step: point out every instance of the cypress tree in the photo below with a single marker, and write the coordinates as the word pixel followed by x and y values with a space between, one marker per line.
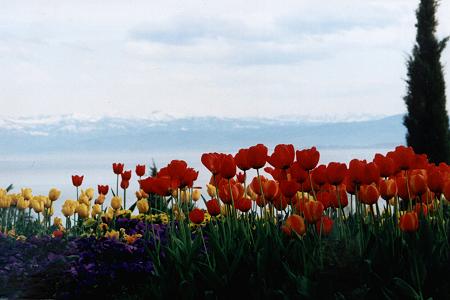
pixel 427 120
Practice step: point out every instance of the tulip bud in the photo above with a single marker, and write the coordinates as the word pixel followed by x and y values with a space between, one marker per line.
pixel 116 202
pixel 143 206
pixel 54 194
pixel 49 211
pixel 185 196
pixel 27 193
pixel 196 194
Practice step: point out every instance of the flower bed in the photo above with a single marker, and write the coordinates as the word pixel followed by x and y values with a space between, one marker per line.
pixel 312 231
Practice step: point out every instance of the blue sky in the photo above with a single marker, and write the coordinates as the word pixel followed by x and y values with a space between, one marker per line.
pixel 223 58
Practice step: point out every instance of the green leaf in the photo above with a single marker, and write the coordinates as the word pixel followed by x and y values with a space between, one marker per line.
pixel 406 289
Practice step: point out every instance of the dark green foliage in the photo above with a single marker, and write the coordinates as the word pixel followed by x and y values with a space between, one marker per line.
pixel 427 120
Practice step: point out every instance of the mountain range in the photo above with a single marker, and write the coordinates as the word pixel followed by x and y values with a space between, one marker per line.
pixel 69 133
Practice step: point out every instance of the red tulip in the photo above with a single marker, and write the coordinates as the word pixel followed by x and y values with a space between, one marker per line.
pixel 240 177
pixel 324 198
pixel 446 190
pixel 118 168
pixel 313 211
pixel 298 173
pixel 385 164
pixel 103 189
pixel 77 180
pixel 421 208
pixel 212 162
pixel 289 188
pixel 257 156
pixel 388 189
pixel 58 234
pixel 319 175
pixel 336 173
pixel 244 204
pixel 140 170
pixel 156 185
pixel 409 222
pixel 270 190
pixel 324 226
pixel 176 169
pixel 241 159
pixel 308 158
pixel 126 175
pixel 237 191
pixel 371 173
pixel 213 207
pixel 435 180
pixel 277 174
pixel 343 198
pixel 196 216
pixel 404 157
pixel 228 167
pixel 280 202
pixel 282 157
pixel 368 194
pixel 189 176
pixel 294 223
pixel 402 190
pixel 124 184
pixel 420 161
pixel 356 170
pixel 418 184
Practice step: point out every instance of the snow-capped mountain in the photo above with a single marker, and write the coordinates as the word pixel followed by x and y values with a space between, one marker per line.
pixel 80 133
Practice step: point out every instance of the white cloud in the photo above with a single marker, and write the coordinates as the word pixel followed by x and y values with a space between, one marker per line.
pixel 227 58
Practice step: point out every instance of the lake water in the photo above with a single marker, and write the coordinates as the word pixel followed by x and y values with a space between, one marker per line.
pixel 41 172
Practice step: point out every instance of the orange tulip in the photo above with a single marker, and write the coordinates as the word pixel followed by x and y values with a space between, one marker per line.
pixel 313 211
pixel 388 188
pixel 294 223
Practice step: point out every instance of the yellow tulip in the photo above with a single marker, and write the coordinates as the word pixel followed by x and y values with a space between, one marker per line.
pixel 37 204
pixel 5 201
pixel 83 211
pixel 141 195
pixel 14 199
pixel 84 199
pixel 116 202
pixel 57 222
pixel 54 194
pixel 185 196
pixel 143 206
pixel 47 202
pixel 89 193
pixel 68 211
pixel 96 210
pixel 211 189
pixel 2 193
pixel 48 212
pixel 196 194
pixel 22 203
pixel 27 193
